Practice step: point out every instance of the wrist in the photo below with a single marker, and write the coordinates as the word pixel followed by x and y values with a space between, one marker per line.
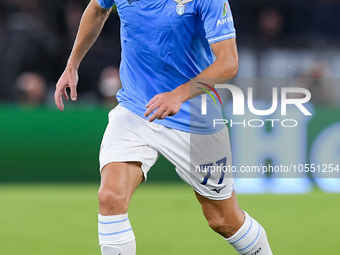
pixel 182 92
pixel 71 67
pixel 72 64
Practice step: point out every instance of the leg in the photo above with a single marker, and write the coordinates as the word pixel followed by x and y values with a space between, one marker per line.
pixel 125 159
pixel 244 233
pixel 118 183
pixel 224 216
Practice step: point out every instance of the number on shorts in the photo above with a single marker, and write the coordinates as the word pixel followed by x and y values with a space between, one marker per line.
pixel 220 162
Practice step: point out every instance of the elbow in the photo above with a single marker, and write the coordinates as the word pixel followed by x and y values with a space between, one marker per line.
pixel 101 13
pixel 228 67
pixel 234 70
pixel 234 66
pixel 230 70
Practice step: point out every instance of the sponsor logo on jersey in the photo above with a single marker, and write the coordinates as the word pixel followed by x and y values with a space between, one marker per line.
pixel 225 10
pixel 180 7
pixel 226 15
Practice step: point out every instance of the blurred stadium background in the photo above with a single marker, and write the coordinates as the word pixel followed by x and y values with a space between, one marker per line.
pixel 49 160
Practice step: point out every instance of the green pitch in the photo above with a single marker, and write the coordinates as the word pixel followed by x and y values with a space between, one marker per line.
pixel 167 219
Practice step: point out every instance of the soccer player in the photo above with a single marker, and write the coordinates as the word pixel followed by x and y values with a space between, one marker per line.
pixel 168 48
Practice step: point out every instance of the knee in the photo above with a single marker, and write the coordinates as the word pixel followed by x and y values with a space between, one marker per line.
pixel 112 202
pixel 224 226
pixel 219 225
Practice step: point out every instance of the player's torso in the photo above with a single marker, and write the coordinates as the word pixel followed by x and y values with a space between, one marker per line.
pixel 161 39
pixel 164 45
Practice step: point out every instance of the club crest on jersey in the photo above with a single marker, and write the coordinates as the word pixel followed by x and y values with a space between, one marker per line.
pixel 180 7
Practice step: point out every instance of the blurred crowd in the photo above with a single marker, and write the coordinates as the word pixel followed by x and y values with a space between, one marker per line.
pixel 36 38
pixel 287 23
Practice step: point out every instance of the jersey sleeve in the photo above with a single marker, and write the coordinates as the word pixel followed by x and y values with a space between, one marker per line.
pixel 217 20
pixel 106 4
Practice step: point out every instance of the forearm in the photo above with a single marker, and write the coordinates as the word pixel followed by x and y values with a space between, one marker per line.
pixel 169 103
pixel 223 69
pixel 90 27
pixel 194 87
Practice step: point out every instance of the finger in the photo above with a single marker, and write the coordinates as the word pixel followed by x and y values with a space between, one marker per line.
pixel 58 99
pixel 171 113
pixel 151 108
pixel 153 100
pixel 165 114
pixel 65 93
pixel 73 88
pixel 156 115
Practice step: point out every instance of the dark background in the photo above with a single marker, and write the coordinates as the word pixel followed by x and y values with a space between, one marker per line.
pixel 36 38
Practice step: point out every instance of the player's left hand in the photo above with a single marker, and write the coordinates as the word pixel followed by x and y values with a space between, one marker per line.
pixel 165 104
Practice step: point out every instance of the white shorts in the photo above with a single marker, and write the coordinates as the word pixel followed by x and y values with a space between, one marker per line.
pixel 200 160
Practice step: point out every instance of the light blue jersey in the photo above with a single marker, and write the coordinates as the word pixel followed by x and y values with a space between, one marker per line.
pixel 165 43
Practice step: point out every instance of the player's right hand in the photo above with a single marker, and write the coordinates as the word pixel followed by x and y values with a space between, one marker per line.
pixel 69 79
